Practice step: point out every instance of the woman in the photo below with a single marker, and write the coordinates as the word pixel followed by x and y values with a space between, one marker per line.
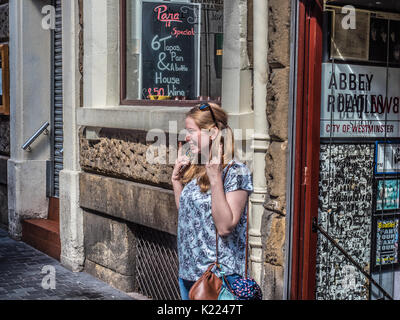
pixel 205 203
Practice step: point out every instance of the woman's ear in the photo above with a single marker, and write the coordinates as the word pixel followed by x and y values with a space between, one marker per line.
pixel 214 133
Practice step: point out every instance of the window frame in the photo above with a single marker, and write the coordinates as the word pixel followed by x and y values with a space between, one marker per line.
pixel 123 65
pixel 5 70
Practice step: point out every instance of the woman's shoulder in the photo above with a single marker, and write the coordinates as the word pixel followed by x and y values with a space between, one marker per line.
pixel 238 177
pixel 237 168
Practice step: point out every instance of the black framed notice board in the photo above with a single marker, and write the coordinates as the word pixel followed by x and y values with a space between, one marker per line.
pixel 170 50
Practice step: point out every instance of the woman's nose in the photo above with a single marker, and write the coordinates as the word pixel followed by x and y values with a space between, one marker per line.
pixel 187 137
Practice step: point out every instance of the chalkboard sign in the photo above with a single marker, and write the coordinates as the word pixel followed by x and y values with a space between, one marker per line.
pixel 170 46
pixel 386 241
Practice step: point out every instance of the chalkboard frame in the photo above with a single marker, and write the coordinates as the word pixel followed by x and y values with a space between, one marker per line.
pixel 123 89
pixel 197 44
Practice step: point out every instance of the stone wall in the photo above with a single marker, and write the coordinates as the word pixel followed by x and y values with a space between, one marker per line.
pixel 146 205
pixel 125 154
pixel 274 222
pixel 110 251
pixel 120 191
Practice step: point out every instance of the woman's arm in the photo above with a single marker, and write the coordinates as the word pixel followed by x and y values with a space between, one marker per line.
pixel 178 187
pixel 226 208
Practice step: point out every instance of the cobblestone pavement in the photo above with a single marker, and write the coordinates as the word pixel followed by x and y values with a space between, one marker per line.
pixel 21 277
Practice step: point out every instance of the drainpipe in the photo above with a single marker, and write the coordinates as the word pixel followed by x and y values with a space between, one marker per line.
pixel 261 138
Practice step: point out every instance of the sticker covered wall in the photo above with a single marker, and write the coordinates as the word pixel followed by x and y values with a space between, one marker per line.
pixel 345 211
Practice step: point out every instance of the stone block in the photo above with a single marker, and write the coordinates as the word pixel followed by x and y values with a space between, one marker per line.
pixel 279 33
pixel 276 162
pixel 116 280
pixel 145 205
pixel 109 243
pixel 274 239
pixel 26 193
pixel 273 282
pixel 277 103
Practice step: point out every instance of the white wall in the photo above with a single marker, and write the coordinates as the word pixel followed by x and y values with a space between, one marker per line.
pixel 30 105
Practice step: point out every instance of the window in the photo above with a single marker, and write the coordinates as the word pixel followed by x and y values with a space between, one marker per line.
pixel 171 51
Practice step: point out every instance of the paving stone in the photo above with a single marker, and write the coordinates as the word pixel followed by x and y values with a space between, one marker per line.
pixel 21 277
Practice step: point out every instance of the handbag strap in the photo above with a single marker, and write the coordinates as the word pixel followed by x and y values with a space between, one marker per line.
pixel 247 232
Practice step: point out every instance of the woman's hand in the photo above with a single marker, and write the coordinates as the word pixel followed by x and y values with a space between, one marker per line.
pixel 214 167
pixel 180 162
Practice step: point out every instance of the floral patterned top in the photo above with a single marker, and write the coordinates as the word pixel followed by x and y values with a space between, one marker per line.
pixel 196 229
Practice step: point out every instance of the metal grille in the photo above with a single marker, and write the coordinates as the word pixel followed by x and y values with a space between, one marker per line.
pixel 156 264
pixel 58 101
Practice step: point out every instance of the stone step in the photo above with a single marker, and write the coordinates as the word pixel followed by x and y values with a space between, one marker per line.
pixel 54 209
pixel 43 235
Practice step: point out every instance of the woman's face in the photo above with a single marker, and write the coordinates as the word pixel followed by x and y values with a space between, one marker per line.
pixel 198 139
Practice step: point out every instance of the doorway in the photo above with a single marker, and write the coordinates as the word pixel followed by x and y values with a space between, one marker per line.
pixel 346 201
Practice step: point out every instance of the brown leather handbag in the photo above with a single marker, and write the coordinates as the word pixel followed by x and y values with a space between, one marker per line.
pixel 208 287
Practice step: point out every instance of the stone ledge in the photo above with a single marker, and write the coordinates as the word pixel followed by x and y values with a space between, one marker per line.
pixel 149 206
pixel 147 118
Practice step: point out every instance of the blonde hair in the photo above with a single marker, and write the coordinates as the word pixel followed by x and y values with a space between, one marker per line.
pixel 204 120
